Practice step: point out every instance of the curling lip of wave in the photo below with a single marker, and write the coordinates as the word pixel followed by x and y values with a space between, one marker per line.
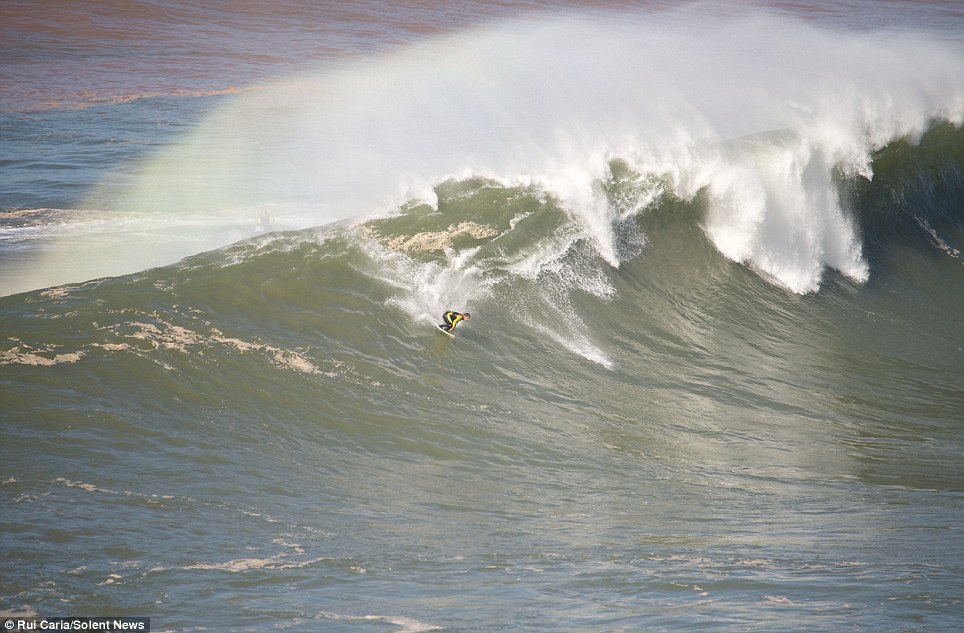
pixel 552 104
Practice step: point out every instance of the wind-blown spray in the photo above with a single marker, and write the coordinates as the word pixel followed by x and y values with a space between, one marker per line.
pixel 762 114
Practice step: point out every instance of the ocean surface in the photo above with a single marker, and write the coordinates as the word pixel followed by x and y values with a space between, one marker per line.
pixel 714 375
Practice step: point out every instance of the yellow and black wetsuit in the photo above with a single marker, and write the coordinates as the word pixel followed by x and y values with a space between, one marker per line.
pixel 451 318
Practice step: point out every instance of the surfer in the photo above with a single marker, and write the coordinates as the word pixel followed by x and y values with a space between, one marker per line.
pixel 452 318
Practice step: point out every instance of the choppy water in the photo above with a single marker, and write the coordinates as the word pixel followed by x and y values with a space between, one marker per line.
pixel 714 377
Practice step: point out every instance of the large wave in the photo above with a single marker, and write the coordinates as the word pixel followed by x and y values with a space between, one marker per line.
pixel 760 115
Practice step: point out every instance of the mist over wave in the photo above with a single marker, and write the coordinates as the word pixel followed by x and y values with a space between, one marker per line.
pixel 761 114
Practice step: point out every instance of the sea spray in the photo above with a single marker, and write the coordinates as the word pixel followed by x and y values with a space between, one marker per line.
pixel 552 104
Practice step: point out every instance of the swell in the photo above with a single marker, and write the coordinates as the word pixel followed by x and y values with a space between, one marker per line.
pixel 326 336
pixel 515 253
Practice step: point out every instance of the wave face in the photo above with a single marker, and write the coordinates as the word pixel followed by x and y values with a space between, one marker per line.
pixel 713 378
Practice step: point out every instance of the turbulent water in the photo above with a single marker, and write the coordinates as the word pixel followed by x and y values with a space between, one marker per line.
pixel 714 375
